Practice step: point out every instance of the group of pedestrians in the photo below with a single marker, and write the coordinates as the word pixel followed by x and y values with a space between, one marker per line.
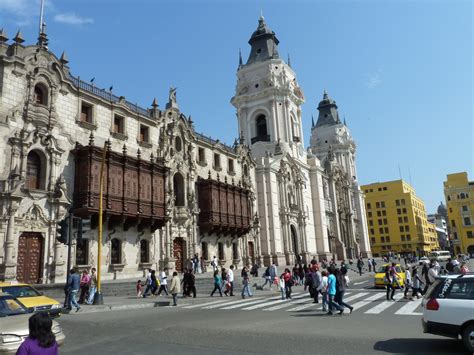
pixel 86 284
pixel 153 285
pixel 224 281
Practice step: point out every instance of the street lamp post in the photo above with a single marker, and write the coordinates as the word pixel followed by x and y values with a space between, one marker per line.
pixel 98 298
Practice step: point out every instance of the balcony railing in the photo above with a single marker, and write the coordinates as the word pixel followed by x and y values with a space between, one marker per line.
pixel 260 139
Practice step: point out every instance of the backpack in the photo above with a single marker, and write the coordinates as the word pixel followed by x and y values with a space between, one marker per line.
pixel 267 271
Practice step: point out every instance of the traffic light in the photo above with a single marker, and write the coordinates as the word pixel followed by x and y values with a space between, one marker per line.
pixel 83 226
pixel 62 232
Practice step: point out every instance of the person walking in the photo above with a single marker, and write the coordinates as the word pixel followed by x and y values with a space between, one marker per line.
pixel 148 284
pixel 223 278
pixel 246 282
pixel 195 263
pixel 288 282
pixel 332 293
pixel 154 283
pixel 214 263
pixel 84 286
pixel 163 282
pixel 324 289
pixel 175 288
pixel 369 264
pixel 360 265
pixel 432 273
pixel 230 278
pixel 341 286
pixel 41 339
pixel 281 287
pixel 388 279
pixel 316 282
pixel 417 282
pixel 408 284
pixel 73 284
pixel 424 275
pixel 92 286
pixel 217 283
pixel 268 278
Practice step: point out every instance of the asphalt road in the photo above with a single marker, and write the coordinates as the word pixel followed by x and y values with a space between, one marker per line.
pixel 258 325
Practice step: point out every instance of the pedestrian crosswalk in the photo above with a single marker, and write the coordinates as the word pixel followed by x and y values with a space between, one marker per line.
pixel 363 301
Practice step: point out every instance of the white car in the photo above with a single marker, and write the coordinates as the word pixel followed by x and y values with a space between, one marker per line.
pixel 448 308
pixel 423 260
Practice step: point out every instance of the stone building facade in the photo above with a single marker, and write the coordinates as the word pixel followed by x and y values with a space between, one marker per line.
pixel 169 192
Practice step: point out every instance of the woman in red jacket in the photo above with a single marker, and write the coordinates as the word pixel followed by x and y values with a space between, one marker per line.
pixel 288 282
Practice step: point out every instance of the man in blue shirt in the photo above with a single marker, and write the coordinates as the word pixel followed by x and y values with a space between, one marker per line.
pixel 73 284
pixel 332 293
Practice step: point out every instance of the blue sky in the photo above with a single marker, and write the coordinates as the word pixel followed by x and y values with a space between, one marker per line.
pixel 400 71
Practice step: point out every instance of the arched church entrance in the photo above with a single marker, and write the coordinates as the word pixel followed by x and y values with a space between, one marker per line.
pixel 179 253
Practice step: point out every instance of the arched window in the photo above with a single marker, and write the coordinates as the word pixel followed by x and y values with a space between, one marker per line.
pixel 178 185
pixel 144 251
pixel 261 123
pixel 82 251
pixel 220 250
pixel 40 94
pixel 33 171
pixel 178 144
pixel 295 129
pixel 204 251
pixel 115 251
pixel 235 251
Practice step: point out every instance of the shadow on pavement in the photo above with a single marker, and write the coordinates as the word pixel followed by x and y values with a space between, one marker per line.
pixel 421 346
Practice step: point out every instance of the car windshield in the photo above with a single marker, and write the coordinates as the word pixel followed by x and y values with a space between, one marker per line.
pixel 10 307
pixel 382 269
pixel 20 291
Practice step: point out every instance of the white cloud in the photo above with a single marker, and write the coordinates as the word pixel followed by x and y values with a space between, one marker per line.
pixel 72 19
pixel 374 80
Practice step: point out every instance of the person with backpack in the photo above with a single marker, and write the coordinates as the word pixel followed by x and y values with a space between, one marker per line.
pixel 341 286
pixel 267 277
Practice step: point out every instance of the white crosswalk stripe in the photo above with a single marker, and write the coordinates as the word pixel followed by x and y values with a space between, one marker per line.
pixel 369 302
pixel 409 307
pixel 262 305
pixel 384 305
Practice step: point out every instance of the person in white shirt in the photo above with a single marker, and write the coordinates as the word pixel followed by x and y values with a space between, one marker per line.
pixel 324 289
pixel 163 282
pixel 214 263
pixel 230 279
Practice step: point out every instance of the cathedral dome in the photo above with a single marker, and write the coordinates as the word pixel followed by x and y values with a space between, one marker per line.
pixel 442 209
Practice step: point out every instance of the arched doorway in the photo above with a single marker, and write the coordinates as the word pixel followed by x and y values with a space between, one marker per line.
pixel 294 240
pixel 179 253
pixel 30 258
pixel 470 251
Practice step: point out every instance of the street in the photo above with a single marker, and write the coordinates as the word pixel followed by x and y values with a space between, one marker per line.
pixel 261 324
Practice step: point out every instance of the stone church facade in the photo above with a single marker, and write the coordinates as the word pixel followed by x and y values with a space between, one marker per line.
pixel 169 192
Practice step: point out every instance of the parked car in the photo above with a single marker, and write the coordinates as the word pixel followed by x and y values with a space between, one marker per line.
pixel 448 308
pixel 14 324
pixel 31 297
pixel 380 275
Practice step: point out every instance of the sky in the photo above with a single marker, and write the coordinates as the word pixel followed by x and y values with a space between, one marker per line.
pixel 400 71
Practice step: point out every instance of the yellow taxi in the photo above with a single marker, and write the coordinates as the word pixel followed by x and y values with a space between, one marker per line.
pixel 31 298
pixel 380 276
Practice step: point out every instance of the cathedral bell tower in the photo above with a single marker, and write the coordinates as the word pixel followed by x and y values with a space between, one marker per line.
pixel 268 98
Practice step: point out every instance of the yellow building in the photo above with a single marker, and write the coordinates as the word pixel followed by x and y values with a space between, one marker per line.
pixel 397 220
pixel 459 194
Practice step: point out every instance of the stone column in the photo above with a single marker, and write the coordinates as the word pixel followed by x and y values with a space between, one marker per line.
pixel 10 262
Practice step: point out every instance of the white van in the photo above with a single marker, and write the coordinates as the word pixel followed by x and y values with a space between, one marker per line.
pixel 442 255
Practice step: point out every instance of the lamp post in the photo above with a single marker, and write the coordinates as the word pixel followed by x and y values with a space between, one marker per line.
pixel 98 298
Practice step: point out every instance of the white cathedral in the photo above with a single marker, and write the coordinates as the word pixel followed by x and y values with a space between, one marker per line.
pixel 170 192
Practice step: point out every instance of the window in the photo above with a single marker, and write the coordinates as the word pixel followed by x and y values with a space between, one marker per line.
pixel 246 170
pixel 449 198
pixel 217 161
pixel 380 230
pixel 450 210
pixel 220 250
pixel 462 289
pixel 144 251
pixel 368 206
pixel 86 113
pixel 382 204
pixel 40 95
pixel 82 248
pixel 178 187
pixel 469 234
pixel 404 210
pixel 372 231
pixel 178 144
pixel 231 165
pixel 380 189
pixel 384 247
pixel 403 202
pixel 453 223
pixel 385 221
pixel 455 235
pixel 399 211
pixel 407 228
pixel 144 133
pixel 402 229
pixel 380 221
pixel 369 214
pixel 119 124
pixel 201 155
pixel 379 213
pixel 204 251
pixel 463 195
pixel 235 251
pixel 397 202
pixel 400 220
pixel 384 213
pixel 382 239
pixel 465 209
pixel 261 129
pixel 387 239
pixel 408 237
pixel 386 229
pixel 115 251
pixel 467 221
pixel 385 188
pixel 405 219
pixel 33 171
pixel 371 223
pixel 403 238
pixel 377 204
pixel 372 240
